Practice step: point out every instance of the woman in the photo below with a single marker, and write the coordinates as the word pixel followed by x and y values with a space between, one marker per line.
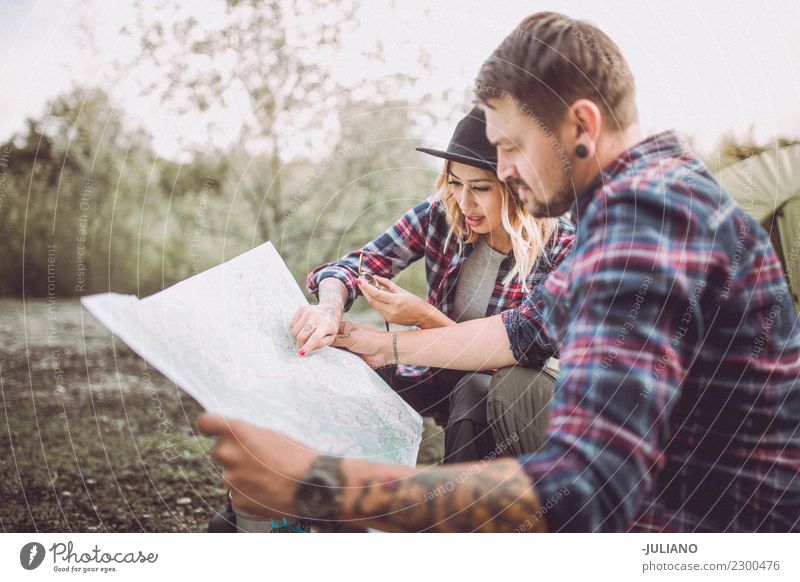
pixel 483 253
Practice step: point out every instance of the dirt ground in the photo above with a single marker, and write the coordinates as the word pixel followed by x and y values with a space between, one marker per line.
pixel 92 438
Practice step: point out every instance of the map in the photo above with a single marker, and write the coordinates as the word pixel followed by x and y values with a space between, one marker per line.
pixel 223 336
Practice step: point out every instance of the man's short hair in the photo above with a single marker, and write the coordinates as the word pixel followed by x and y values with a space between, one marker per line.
pixel 550 60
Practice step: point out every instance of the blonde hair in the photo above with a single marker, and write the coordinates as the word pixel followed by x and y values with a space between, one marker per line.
pixel 529 235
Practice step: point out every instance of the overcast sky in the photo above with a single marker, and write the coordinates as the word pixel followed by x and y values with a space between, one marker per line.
pixel 704 67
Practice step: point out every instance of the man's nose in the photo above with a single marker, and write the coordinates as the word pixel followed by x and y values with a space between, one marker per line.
pixel 505 169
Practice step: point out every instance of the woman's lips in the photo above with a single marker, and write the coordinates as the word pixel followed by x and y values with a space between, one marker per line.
pixel 473 220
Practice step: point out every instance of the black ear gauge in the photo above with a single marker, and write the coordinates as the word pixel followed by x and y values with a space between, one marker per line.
pixel 581 151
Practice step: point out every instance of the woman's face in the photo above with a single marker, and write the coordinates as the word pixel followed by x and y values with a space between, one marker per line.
pixel 477 192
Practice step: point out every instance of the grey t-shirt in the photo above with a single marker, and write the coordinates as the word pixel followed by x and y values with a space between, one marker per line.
pixel 476 282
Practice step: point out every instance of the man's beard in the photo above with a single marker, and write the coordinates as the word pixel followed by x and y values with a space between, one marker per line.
pixel 556 206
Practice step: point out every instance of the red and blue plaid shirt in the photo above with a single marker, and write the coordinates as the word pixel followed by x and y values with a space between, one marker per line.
pixel 422 232
pixel 678 403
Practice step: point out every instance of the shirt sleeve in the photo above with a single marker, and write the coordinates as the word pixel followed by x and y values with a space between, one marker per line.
pixel 561 245
pixel 387 255
pixel 525 323
pixel 619 379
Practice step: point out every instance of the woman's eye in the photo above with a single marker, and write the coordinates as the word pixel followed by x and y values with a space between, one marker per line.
pixel 484 189
pixel 454 183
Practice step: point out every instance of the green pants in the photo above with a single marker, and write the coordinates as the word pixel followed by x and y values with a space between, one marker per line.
pixel 485 414
pixel 517 407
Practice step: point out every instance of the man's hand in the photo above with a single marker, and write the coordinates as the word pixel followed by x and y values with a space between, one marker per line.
pixel 396 305
pixel 262 467
pixel 367 342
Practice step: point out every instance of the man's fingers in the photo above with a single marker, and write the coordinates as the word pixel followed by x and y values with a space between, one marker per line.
pixel 244 502
pixel 214 425
pixel 227 453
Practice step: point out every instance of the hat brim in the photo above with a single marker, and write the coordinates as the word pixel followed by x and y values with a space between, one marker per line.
pixel 470 161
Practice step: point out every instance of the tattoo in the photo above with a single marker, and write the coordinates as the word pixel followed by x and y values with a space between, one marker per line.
pixel 319 492
pixel 493 497
pixel 330 310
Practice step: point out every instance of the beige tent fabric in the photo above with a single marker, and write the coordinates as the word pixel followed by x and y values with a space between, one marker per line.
pixel 764 182
pixel 767 186
pixel 789 230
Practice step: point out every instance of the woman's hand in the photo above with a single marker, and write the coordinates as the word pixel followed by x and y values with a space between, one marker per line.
pixel 396 305
pixel 315 326
pixel 373 346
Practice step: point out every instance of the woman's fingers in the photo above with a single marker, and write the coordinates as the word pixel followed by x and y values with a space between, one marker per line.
pixel 388 283
pixel 297 328
pixel 306 332
pixel 300 321
pixel 319 339
pixel 311 321
pixel 376 294
pixel 368 291
pixel 352 337
pixel 296 317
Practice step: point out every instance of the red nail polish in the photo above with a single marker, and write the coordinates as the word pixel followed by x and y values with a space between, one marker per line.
pixel 302 353
pixel 358 281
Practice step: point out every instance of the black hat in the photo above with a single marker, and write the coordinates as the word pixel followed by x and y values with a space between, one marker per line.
pixel 469 144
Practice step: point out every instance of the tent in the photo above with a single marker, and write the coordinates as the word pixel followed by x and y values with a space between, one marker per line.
pixel 767 186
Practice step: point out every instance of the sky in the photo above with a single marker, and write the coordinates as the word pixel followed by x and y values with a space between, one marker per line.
pixel 703 67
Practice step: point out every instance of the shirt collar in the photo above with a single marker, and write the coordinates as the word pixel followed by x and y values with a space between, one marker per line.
pixel 662 145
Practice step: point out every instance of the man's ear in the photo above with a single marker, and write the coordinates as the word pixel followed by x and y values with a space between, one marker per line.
pixel 584 125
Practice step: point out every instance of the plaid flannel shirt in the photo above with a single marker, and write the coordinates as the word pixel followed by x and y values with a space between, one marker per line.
pixel 422 232
pixel 678 403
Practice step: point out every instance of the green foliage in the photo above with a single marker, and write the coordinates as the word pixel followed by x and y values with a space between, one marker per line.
pixel 89 207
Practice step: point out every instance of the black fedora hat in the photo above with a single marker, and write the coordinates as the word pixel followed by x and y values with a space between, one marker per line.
pixel 469 144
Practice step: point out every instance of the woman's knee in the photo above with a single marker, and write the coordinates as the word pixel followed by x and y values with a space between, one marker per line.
pixel 468 398
pixel 513 384
pixel 518 407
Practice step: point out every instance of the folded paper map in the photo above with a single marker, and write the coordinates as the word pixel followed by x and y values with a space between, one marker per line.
pixel 223 336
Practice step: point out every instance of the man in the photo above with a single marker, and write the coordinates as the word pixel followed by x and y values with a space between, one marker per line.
pixel 678 403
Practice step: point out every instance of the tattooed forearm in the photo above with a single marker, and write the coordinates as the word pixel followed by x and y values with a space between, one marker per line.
pixel 493 497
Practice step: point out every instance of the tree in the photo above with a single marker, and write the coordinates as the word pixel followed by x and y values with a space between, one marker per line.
pixel 257 55
pixel 70 172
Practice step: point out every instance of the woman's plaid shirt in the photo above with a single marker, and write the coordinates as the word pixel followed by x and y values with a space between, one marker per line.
pixel 421 233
